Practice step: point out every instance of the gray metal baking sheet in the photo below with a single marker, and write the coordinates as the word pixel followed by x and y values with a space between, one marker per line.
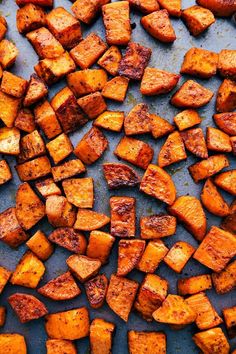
pixel 168 57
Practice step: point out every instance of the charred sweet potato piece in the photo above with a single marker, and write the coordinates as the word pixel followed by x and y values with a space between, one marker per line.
pixel 230 320
pixel 229 222
pixel 145 6
pixel 187 119
pixel 194 285
pixel 121 295
pixel 154 253
pixel 58 346
pixel 194 142
pixel 5 275
pixel 36 91
pixel 218 140
pixel 157 82
pixel 87 81
pixel 71 325
pixel 197 19
pixel 9 108
pixel 13 85
pixel 13 343
pixel 59 148
pixel 100 245
pixel 93 105
pixel 89 220
pixel 129 255
pixel 119 175
pixel 212 341
pixel 148 342
pixel 46 118
pixel 27 307
pixel 179 255
pixel 8 53
pixel 25 121
pixel 67 169
pixel 227 63
pixel 11 231
pixel 83 267
pixel 189 211
pixel 116 18
pixel 220 8
pixel 31 146
pixel 173 7
pixel 86 10
pixel 226 96
pixel 123 215
pixel 159 26
pixel 101 336
pixel 5 172
pixel 227 181
pixel 226 122
pixel 110 120
pixel 46 3
pixel 138 120
pixel 31 170
pixel 158 183
pixel 116 88
pixel 213 200
pixel 79 191
pixel 61 288
pixel 47 187
pixel 172 151
pixel 96 290
pixel 30 17
pixel 157 226
pixel 110 60
pixel 207 168
pixel 160 126
pixel 70 239
pixel 60 212
pixel 2 316
pixel 151 294
pixel 40 245
pixel 9 141
pixel 225 280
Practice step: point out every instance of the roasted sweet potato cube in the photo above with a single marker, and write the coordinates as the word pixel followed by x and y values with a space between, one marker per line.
pixel 86 10
pixel 47 187
pixel 2 316
pixel 71 325
pixel 229 222
pixel 129 255
pixel 11 231
pixel 46 3
pixel 151 294
pixel 31 146
pixel 59 148
pixel 67 169
pixel 3 28
pixel 40 245
pixel 93 105
pixel 116 88
pixel 83 267
pixel 158 183
pixel 30 17
pixel 9 141
pixel 28 272
pixel 157 226
pixel 13 85
pixel 4 277
pixel 194 142
pixel 226 122
pixel 218 140
pixel 67 110
pixel 79 191
pixel 89 220
pixel 138 120
pixel 226 96
pixel 173 7
pixel 44 43
pixel 194 285
pixel 209 167
pixel 227 63
pixel 119 175
pixel 36 91
pixel 31 170
pixel 91 146
pixel 61 288
pixel 145 6
pixel 158 25
pixel 5 172
pixel 116 18
pixel 148 342
pixel 218 7
pixel 96 290
pixel 70 239
pixel 88 51
pixel 179 255
pixel 187 119
pixel 13 343
pixel 123 215
pixel 157 82
pixel 9 108
pixel 197 19
pixel 110 60
pixel 213 200
pixel 154 253
pixel 87 81
pixel 121 295
pixel 60 212
pixel 172 151
pixel 227 181
pixel 25 121
pixel 101 336
pixel 100 245
pixel 160 126
pixel 58 346
pixel 189 211
pixel 212 341
pixel 8 53
pixel 230 320
pixel 110 120
pixel 27 307
pixel 225 280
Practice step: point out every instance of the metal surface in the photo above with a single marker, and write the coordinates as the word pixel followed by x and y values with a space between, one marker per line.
pixel 169 57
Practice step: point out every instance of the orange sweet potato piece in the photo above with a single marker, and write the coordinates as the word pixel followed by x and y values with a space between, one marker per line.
pixel 119 175
pixel 227 181
pixel 154 253
pixel 229 222
pixel 5 275
pixel 101 336
pixel 29 18
pixel 5 172
pixel 86 10
pixel 172 151
pixel 70 239
pixel 59 148
pixel 9 108
pixel 159 26
pixel 145 6
pixel 213 200
pixel 25 121
pixel 226 122
pixel 96 290
pixel 212 341
pixel 194 285
pixel 138 120
pixel 46 3
pixel 67 169
pixel 47 187
pixel 230 318
pixel 226 96
pixel 225 280
pixel 220 8
pixel 110 60
pixel 187 119
pixel 11 231
pixel 218 140
pixel 40 245
pixel 194 142
pixel 13 85
pixel 34 169
pixel 83 267
pixel 79 191
pixel 8 53
pixel 148 342
pixel 227 63
pixel 157 226
pixel 160 126
pixel 110 120
pixel 46 118
pixel 178 256
pixel 83 82
pixel 36 91
pixel 123 215
pixel 197 19
pixel 13 343
pixel 2 316
pixel 57 346
pixel 129 255
pixel 100 245
pixel 31 145
pixel 89 220
pixel 93 105
pixel 60 212
pixel 116 88
pixel 173 7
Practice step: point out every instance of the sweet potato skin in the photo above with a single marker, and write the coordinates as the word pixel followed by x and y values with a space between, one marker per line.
pixel 120 175
pixel 123 214
pixel 157 226
pixel 70 239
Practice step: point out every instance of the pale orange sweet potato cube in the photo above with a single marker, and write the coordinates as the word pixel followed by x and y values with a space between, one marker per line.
pixel 36 91
pixel 31 170
pixel 101 333
pixel 197 19
pixel 173 7
pixel 110 60
pixel 60 212
pixel 218 7
pixel 187 119
pixel 25 121
pixel 70 239
pixel 157 226
pixel 79 191
pixel 59 148
pixel 226 122
pixel 218 140
pixel 194 142
pixel 118 175
pixel 213 200
pixel 96 290
pixel 123 215
pixel 47 187
pixel 67 169
pixel 9 141
pixel 9 108
pixel 110 120
pixel 154 253
pixel 160 126
pixel 229 222
pixel 179 255
pixel 13 85
pixel 227 181
pixel 40 245
pixel 225 280
pixel 230 319
pixel 145 6
pixel 13 343
pixel 194 285
pixel 227 63
pixel 5 172
pixel 86 10
pixel 137 120
pixel 89 220
pixel 172 151
pixel 29 18
pixel 83 267
pixel 116 88
pixel 87 81
pixel 100 245
pixel 93 105
pixel 8 53
pixel 58 346
pixel 2 316
pixel 212 341
pixel 11 231
pixel 31 145
pixel 129 255
pixel 147 342
pixel 4 277
pixel 226 96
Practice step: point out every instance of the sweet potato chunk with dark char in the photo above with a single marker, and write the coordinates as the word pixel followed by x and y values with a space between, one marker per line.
pixel 173 7
pixel 86 10
pixel 129 255
pixel 229 222
pixel 138 120
pixel 227 63
pixel 159 26
pixel 146 342
pixel 70 239
pixel 172 151
pixel 157 226
pixel 87 81
pixel 145 6
pixel 89 220
pixel 194 142
pixel 8 53
pixel 25 121
pixel 13 85
pixel 226 122
pixel 194 285
pixel 30 17
pixel 36 91
pixel 157 82
pixel 225 280
pixel 212 341
pixel 83 267
pixel 46 3
pixel 96 290
pixel 123 215
pixel 34 169
pixel 227 181
pixel 40 245
pixel 3 28
pixel 221 8
pixel 60 346
pixel 101 336
pixel 119 175
pixel 93 105
pixel 9 141
pixel 9 108
pixel 230 320
pixel 116 88
pixel 5 172
pixel 226 96
pixel 160 126
pixel 218 140
pixel 178 256
pixel 200 62
pixel 31 146
pixel 11 231
pixel 197 19
pixel 60 212
pixel 110 60
pixel 27 307
pixel 4 277
pixel 154 253
pixel 213 200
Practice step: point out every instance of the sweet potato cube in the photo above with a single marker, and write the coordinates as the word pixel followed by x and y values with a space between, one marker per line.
pixel 3 28
pixel 119 175
pixel 149 342
pixel 213 200
pixel 13 85
pixel 70 239
pixel 59 148
pixel 116 18
pixel 96 290
pixel 218 140
pixel 227 63
pixel 219 8
pixel 129 255
pixel 2 316
pixel 91 146
pixel 31 146
pixel 134 151
pixel 101 336
pixel 86 10
pixel 233 144
pixel 100 245
pixel 121 295
pixel 58 346
pixel 61 288
pixel 154 253
pixel 173 7
pixel 145 6
pixel 9 141
pixel 13 343
pixel 47 187
pixel 226 122
pixel 40 245
pixel 25 121
pixel 172 151
pixel 44 43
pixel 194 142
pixel 123 215
pixel 116 88
pixel 93 105
pixel 11 231
pixel 89 220
pixel 151 294
pixel 79 191
pixel 179 255
pixel 225 280
pixel 83 267
pixel 60 212
pixel 230 320
pixel 207 317
pixel 36 91
pixel 31 170
pixel 212 341
pixel 158 183
pixel 226 96
pixel 110 60
pixel 67 169
pixel 4 277
pixel 187 119
pixel 30 17
pixel 71 325
pixel 5 172
pixel 9 108
pixel 227 181
pixel 157 82
pixel 88 51
pixel 110 120
pixel 28 272
pixel 160 126
pixel 138 120
pixel 46 3
pixel 229 222
pixel 87 81
pixel 194 285
pixel 197 19
pixel 209 167
pixel 157 226
pixel 8 53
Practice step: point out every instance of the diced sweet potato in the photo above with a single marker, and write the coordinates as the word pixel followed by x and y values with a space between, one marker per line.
pixel 227 181
pixel 194 285
pixel 11 231
pixel 8 53
pixel 92 104
pixel 160 126
pixel 229 222
pixel 157 226
pixel 31 170
pixel 187 119
pixel 110 120
pixel 28 272
pixel 47 187
pixel 158 183
pixel 71 325
pixel 46 118
pixel 96 290
pixel 179 255
pixel 89 220
pixel 13 343
pixel 138 120
pixel 226 122
pixel 86 10
pixel 46 3
pixel 59 148
pixel 29 18
pixel 119 175
pixel 226 96
pixel 209 167
pixel 146 342
pixel 13 85
pixel 40 245
pixel 151 294
pixel 213 200
pixel 116 18
pixel 225 280
pixel 212 341
pixel 60 346
pixel 2 316
pixel 159 26
pixel 145 6
pixel 197 19
pixel 218 140
pixel 129 255
pixel 79 191
pixel 9 108
pixel 220 8
pixel 101 336
pixel 61 288
pixel 67 169
pixel 60 212
pixel 172 151
pixel 100 245
pixel 3 28
pixel 4 277
pixel 123 215
pixel 36 91
pixel 227 63
pixel 121 295
pixel 110 60
pixel 83 267
pixel 70 239
pixel 157 82
pixel 116 88
pixel 31 146
pixel 230 320
pixel 5 172
pixel 173 7
pixel 87 81
pixel 194 142
pixel 154 253
pixel 25 121
pixel 9 141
